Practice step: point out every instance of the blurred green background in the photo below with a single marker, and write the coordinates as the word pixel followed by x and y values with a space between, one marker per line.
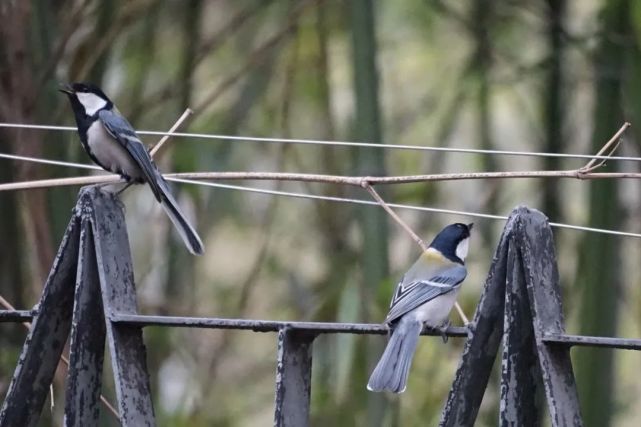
pixel 540 75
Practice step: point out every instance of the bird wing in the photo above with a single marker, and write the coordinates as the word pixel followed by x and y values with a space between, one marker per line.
pixel 122 131
pixel 409 296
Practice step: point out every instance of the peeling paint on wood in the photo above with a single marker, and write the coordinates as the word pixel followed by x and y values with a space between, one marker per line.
pixel 87 345
pixel 41 352
pixel 479 353
pixel 91 278
pixel 293 378
pixel 519 366
pixel 542 280
pixel 115 271
pixel 522 289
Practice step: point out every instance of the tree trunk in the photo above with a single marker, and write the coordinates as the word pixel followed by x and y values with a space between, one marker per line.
pixel 598 276
pixel 372 222
pixel 553 105
pixel 18 105
pixel 482 63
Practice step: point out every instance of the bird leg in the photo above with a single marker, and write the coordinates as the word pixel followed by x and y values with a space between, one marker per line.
pixel 127 185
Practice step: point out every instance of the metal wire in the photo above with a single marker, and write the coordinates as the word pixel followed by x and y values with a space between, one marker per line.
pixel 49 162
pixel 328 198
pixel 394 205
pixel 342 143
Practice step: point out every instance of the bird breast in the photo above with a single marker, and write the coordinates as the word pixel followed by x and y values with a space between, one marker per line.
pixel 110 154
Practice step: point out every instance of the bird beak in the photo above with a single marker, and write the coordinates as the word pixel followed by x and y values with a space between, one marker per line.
pixel 470 226
pixel 66 88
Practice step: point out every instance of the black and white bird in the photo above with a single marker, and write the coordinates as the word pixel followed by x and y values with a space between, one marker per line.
pixel 112 143
pixel 424 296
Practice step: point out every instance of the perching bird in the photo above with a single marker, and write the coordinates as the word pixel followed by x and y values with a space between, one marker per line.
pixel 424 296
pixel 112 143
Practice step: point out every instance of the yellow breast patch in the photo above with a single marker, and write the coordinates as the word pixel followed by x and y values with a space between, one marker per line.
pixel 433 256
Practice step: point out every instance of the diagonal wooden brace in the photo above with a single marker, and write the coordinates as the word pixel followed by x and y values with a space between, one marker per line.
pixel 520 375
pixel 87 345
pixel 480 349
pixel 536 244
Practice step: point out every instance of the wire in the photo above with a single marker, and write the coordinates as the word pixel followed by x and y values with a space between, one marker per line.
pixel 394 205
pixel 328 198
pixel 49 162
pixel 343 143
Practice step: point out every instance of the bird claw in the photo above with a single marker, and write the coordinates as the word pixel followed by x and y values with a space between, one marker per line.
pixel 443 330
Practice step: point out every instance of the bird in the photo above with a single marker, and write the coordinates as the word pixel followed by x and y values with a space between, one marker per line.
pixel 425 295
pixel 112 143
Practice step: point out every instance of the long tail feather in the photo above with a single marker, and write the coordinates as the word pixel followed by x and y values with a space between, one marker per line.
pixel 393 368
pixel 186 231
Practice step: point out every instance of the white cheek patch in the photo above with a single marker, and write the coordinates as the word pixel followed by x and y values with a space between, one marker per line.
pixel 462 247
pixel 92 103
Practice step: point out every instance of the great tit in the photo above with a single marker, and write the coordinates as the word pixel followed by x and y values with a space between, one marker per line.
pixel 424 296
pixel 112 143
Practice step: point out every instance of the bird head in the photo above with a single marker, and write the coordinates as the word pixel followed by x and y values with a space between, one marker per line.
pixel 453 241
pixel 86 98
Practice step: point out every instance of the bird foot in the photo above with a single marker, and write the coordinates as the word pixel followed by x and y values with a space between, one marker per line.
pixel 127 185
pixel 443 329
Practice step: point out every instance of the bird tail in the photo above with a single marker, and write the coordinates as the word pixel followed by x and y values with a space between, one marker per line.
pixel 393 368
pixel 186 231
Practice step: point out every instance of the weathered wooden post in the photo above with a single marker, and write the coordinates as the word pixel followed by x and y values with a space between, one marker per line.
pixel 92 278
pixel 49 331
pixel 84 378
pixel 519 367
pixel 521 302
pixel 479 353
pixel 118 292
pixel 541 276
pixel 293 378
